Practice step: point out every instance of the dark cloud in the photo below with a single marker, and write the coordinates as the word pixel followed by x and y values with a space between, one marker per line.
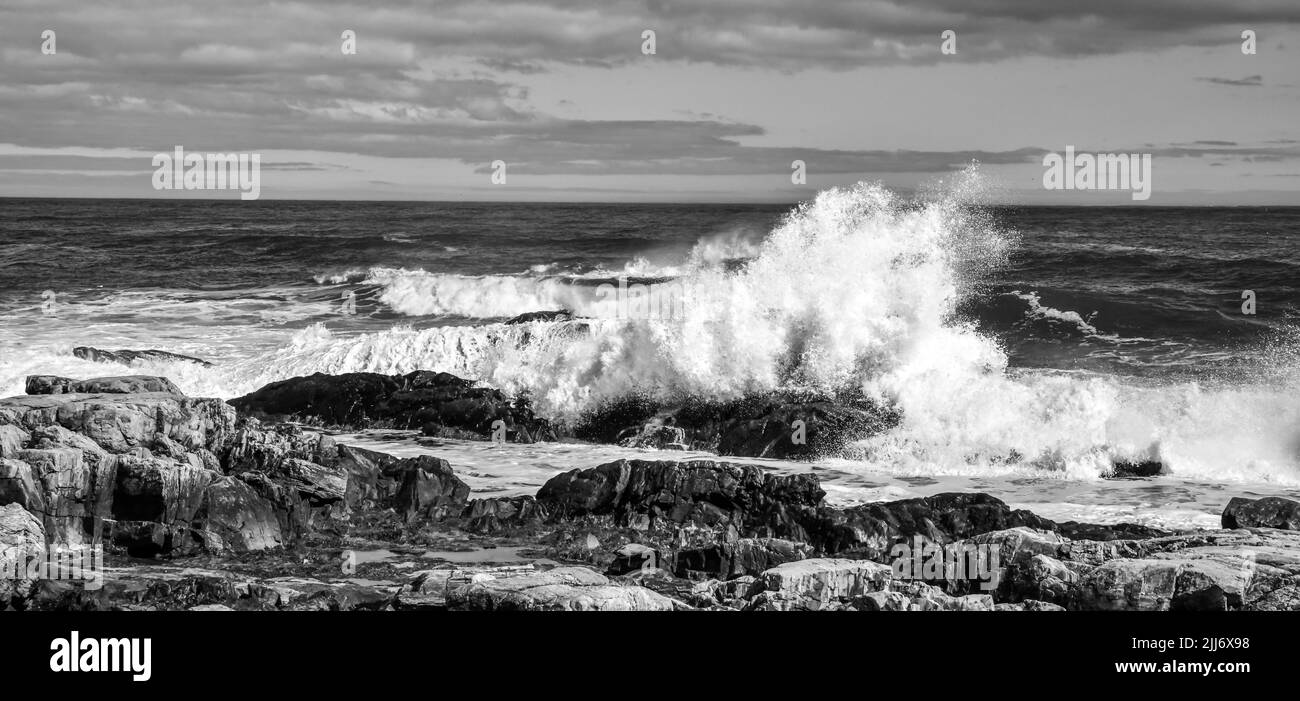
pixel 440 80
pixel 1250 81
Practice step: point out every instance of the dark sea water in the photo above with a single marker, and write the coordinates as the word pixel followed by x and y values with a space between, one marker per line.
pixel 1045 339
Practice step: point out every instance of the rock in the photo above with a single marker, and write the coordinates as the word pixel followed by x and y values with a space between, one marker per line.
pixel 71 494
pixel 871 530
pixel 1269 512
pixel 753 426
pixel 141 472
pixel 322 485
pixel 745 556
pixel 126 384
pixel 235 517
pixel 496 514
pixel 919 596
pixel 428 488
pixel 418 399
pixel 12 440
pixel 1118 531
pixel 559 589
pixel 210 607
pixel 120 422
pixel 263 448
pixel 154 502
pixel 819 583
pixel 1041 578
pixel 1128 585
pixel 22 537
pixel 127 357
pixel 703 493
pixel 1128 470
pixel 654 438
pixel 558 315
pixel 633 557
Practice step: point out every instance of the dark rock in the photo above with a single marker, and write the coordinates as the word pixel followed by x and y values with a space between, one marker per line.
pixel 633 557
pixel 428 488
pixel 235 517
pixel 126 357
pixel 746 556
pixel 1118 531
pixel 1146 468
pixel 418 399
pixel 753 426
pixel 496 514
pixel 748 498
pixel 558 315
pixel 871 530
pixel 1269 512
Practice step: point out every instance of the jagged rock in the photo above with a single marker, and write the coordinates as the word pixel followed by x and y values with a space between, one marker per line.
pixel 919 596
pixel 120 422
pixel 819 584
pixel 702 493
pixel 654 438
pixel 12 440
pixel 558 315
pixel 496 514
pixel 125 384
pixel 1103 532
pixel 1269 512
pixel 22 537
pixel 173 588
pixel 154 502
pixel 753 426
pixel 235 517
pixel 428 488
pixel 745 556
pixel 322 485
pixel 871 530
pixel 126 357
pixel 633 557
pixel 261 448
pixel 1041 578
pixel 307 594
pixel 1128 585
pixel 70 494
pixel 1029 605
pixel 559 589
pixel 413 400
pixel 1146 468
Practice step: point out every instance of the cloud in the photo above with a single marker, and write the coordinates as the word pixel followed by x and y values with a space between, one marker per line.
pixel 1250 81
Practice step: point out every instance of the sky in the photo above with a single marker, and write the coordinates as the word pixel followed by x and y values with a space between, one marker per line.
pixel 565 95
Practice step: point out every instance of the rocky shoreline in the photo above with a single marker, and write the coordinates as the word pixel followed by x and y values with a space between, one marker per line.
pixel 250 505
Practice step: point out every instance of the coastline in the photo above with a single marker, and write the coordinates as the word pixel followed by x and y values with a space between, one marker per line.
pixel 200 503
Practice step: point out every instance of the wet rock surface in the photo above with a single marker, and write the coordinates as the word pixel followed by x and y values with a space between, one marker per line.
pixel 200 504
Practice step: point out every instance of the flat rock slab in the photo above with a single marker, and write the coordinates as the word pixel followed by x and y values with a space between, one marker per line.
pixel 560 589
pixel 826 579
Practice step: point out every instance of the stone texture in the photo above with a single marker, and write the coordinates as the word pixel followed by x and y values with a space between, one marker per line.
pixel 559 589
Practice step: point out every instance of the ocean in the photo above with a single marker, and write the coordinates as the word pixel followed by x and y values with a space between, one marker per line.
pixel 1027 348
